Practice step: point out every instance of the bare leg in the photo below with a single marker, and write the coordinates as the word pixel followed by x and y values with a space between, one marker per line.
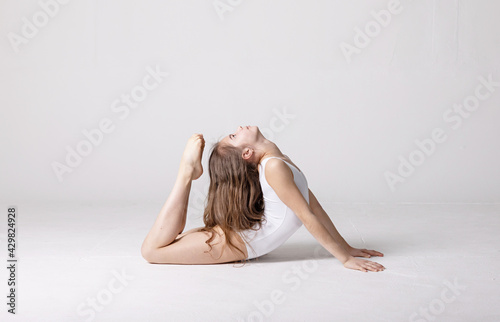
pixel 172 217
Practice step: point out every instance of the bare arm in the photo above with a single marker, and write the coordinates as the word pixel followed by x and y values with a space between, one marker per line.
pixel 280 178
pixel 327 222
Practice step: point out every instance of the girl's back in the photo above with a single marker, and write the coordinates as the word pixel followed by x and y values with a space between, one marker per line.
pixel 279 222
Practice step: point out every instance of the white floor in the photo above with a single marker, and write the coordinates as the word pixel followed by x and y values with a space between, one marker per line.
pixel 442 264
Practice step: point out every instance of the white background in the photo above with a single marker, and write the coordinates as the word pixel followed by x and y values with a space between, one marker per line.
pixel 352 120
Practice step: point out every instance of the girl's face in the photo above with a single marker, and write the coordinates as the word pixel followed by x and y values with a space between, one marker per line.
pixel 243 137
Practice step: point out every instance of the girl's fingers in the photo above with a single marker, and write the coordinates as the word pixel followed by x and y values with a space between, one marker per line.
pixel 373 252
pixel 379 266
pixel 374 267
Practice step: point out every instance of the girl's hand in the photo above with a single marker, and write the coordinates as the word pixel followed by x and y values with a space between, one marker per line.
pixel 356 252
pixel 363 265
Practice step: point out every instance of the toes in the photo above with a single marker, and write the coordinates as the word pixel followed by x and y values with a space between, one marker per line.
pixel 197 136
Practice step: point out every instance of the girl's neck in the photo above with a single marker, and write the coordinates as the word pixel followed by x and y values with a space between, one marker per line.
pixel 269 149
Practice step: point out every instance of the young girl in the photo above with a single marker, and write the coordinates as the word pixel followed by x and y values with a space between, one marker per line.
pixel 257 199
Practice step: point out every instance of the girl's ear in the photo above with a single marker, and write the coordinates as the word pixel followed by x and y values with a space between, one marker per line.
pixel 247 153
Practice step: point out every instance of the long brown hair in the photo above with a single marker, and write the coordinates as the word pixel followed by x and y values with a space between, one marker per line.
pixel 235 201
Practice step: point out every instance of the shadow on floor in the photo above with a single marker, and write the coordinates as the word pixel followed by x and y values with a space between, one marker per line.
pixel 294 252
pixel 305 251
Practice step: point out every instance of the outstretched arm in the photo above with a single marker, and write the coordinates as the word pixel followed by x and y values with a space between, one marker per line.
pixel 327 222
pixel 280 178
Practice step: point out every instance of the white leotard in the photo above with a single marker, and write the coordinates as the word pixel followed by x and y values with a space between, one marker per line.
pixel 279 222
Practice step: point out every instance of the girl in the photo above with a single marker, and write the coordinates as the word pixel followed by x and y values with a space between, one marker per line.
pixel 257 199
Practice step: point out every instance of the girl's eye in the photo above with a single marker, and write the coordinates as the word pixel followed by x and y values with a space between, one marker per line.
pixel 233 136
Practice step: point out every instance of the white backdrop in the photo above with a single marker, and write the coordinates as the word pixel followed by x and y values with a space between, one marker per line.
pixel 379 101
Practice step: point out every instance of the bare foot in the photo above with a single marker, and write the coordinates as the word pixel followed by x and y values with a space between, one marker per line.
pixel 191 158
